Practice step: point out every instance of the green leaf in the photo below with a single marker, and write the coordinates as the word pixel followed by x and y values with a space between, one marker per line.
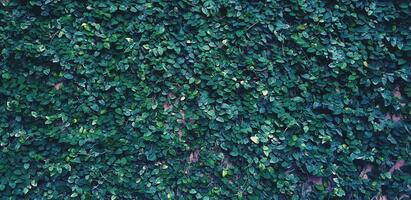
pixel 306 128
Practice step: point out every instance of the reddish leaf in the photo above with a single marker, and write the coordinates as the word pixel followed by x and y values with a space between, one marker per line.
pixel 397 92
pixel 183 117
pixel 194 156
pixel 226 162
pixel 57 86
pixel 397 166
pixel 365 170
pixel 315 180
pixel 396 118
pixel 170 95
pixel 380 197
pixel 167 106
pixel 180 133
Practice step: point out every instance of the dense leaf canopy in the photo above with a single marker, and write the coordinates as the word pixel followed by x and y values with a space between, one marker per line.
pixel 201 99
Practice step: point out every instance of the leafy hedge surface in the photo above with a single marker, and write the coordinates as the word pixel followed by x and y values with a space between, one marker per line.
pixel 205 100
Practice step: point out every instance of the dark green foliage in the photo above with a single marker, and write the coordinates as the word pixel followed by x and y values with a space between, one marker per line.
pixel 201 99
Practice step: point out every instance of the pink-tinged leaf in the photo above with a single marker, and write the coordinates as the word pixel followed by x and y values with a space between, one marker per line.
pixel 180 133
pixel 57 86
pixel 380 197
pixel 288 171
pixel 396 118
pixel 365 170
pixel 183 114
pixel 170 95
pixel 167 106
pixel 397 166
pixel 315 180
pixel 183 117
pixel 194 156
pixel 397 92
pixel 226 162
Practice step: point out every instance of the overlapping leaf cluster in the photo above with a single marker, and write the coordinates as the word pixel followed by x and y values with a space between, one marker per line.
pixel 201 99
